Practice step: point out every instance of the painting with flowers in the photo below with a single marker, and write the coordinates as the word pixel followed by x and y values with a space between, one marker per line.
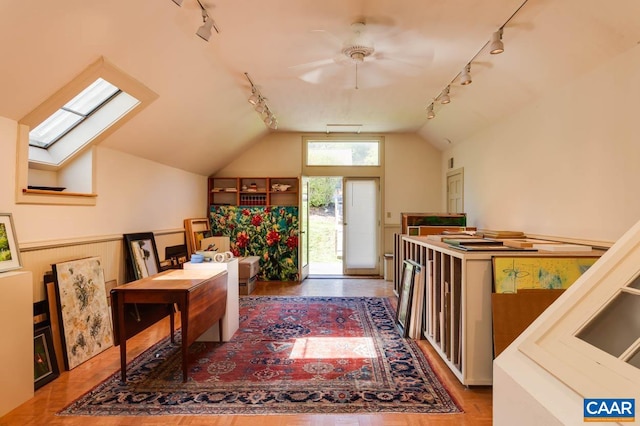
pixel 268 232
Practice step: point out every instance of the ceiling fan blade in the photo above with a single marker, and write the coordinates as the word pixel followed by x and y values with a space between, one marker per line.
pixel 314 64
pixel 403 65
pixel 371 74
pixel 322 75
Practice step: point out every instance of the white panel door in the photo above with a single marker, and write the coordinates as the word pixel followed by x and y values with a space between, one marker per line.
pixel 361 226
pixel 455 191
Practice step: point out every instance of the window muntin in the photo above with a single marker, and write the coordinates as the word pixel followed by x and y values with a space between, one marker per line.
pixel 74 112
pixel 343 153
pixel 616 328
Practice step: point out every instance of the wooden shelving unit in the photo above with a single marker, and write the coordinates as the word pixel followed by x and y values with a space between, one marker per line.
pixel 457 315
pixel 456 318
pixel 253 191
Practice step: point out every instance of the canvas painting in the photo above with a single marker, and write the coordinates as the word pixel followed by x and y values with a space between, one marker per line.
pixel 511 274
pixel 85 316
pixel 144 258
pixel 9 253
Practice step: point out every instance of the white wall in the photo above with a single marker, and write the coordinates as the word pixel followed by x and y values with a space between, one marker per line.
pixel 412 178
pixel 565 165
pixel 134 195
pixel 412 181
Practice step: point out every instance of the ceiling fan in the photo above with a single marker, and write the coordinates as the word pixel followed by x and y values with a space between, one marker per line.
pixel 377 63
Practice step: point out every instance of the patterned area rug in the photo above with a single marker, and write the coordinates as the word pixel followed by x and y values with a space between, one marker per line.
pixel 290 355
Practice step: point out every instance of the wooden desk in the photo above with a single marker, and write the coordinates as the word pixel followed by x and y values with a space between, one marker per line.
pixel 201 297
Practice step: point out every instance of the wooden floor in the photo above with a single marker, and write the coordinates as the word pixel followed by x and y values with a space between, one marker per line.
pixel 40 410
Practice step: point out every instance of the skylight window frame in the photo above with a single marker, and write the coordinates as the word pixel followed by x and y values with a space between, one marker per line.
pixel 128 85
pixel 82 117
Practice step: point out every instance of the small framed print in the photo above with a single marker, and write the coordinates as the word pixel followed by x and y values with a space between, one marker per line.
pixel 45 366
pixel 403 312
pixel 9 253
pixel 142 255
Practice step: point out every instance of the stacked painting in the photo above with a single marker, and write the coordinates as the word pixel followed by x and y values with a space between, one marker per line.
pixel 84 313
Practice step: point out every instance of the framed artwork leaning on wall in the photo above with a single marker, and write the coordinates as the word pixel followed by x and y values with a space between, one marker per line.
pixel 9 253
pixel 405 296
pixel 141 255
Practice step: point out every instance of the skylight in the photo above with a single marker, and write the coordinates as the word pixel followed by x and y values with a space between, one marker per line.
pixel 72 113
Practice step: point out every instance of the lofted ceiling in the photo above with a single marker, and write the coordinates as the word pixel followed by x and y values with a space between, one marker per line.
pixel 291 49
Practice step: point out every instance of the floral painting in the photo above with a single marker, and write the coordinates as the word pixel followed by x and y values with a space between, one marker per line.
pixel 82 299
pixel 268 232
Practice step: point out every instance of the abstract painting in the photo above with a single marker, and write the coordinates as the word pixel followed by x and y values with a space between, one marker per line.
pixel 511 274
pixel 84 312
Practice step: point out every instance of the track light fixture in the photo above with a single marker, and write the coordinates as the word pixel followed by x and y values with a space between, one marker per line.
pixel 204 31
pixel 444 96
pixel 254 98
pixel 259 103
pixel 496 46
pixel 430 113
pixel 465 75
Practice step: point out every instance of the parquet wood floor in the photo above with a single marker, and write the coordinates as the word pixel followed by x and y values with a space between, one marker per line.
pixel 40 410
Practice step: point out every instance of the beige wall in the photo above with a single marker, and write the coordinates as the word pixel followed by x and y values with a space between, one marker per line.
pixel 565 165
pixel 134 195
pixel 412 180
pixel 412 169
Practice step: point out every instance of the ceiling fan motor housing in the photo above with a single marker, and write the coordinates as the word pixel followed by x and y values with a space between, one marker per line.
pixel 357 53
pixel 359 47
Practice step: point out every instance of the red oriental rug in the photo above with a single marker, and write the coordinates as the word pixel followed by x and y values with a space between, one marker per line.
pixel 290 355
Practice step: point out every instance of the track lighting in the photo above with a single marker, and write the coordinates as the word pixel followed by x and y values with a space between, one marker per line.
pixel 260 105
pixel 496 46
pixel 254 98
pixel 444 96
pixel 430 113
pixel 204 31
pixel 465 75
pixel 178 2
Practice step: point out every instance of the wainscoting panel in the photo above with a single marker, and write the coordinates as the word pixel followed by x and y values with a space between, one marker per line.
pixel 38 257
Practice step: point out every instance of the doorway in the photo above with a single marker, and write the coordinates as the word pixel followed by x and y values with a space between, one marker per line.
pixel 325 225
pixel 455 191
pixel 343 226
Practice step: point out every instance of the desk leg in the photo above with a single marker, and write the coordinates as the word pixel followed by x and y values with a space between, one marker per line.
pixel 220 329
pixel 172 323
pixel 123 339
pixel 184 320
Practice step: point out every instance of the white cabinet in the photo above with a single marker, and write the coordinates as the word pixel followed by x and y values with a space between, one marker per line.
pixel 457 307
pixel 16 352
pixel 231 318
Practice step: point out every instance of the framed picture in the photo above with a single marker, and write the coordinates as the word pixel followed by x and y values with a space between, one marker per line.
pixel 45 366
pixel 83 313
pixel 142 255
pixel 175 256
pixel 195 230
pixel 513 273
pixel 405 296
pixel 9 253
